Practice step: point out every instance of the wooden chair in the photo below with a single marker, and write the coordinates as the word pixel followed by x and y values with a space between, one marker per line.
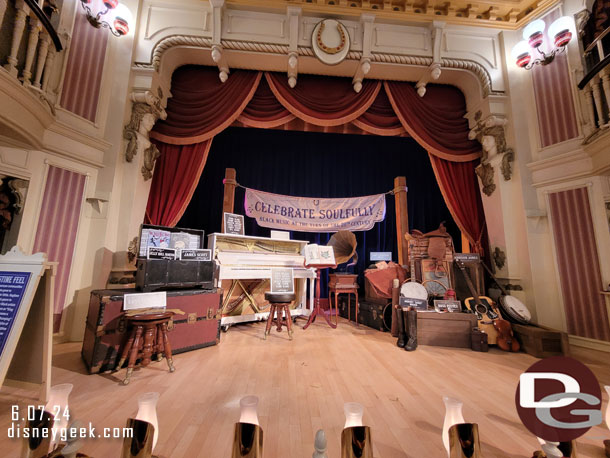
pixel 343 284
pixel 148 336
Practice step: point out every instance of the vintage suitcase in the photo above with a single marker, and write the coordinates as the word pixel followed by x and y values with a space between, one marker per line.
pixel 541 342
pixel 445 329
pixel 106 328
pixel 155 274
pixel 372 314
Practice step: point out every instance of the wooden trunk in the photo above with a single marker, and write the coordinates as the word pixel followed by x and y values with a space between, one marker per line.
pixel 541 342
pixel 106 329
pixel 445 329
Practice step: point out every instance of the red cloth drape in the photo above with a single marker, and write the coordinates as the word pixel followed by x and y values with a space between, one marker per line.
pixel 460 188
pixel 264 111
pixel 436 120
pixel 321 100
pixel 380 118
pixel 202 106
pixel 175 178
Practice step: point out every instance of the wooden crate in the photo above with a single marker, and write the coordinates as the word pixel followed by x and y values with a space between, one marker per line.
pixel 445 329
pixel 542 342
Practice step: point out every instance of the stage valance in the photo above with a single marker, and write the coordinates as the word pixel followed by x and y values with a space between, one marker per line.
pixel 201 106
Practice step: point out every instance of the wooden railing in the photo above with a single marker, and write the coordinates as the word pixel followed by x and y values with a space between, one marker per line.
pixel 41 45
pixel 596 83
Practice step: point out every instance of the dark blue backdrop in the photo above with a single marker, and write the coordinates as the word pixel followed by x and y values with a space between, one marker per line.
pixel 313 164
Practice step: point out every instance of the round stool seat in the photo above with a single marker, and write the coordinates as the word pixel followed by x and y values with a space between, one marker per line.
pixel 279 298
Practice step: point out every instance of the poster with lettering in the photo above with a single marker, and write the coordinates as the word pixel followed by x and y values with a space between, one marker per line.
pixel 12 291
pixel 282 281
pixel 234 224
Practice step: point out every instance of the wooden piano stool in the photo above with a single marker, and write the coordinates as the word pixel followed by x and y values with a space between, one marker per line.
pixel 148 336
pixel 343 284
pixel 279 312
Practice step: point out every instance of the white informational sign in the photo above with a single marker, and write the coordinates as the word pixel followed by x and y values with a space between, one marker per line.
pixel 282 281
pixel 307 214
pixel 234 224
pixel 381 255
pixel 26 320
pixel 145 300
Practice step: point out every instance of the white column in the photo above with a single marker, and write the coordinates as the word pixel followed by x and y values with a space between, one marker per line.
pixel 605 74
pixel 43 52
pixel 590 105
pixel 597 98
pixel 35 26
pixel 22 12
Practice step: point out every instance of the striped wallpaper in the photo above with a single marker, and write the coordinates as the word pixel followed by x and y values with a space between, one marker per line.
pixel 57 227
pixel 83 77
pixel 578 264
pixel 553 94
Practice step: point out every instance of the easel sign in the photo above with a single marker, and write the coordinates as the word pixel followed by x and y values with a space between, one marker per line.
pixel 282 281
pixel 234 224
pixel 26 317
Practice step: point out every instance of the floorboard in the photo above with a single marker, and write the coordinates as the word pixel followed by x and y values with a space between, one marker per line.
pixel 302 386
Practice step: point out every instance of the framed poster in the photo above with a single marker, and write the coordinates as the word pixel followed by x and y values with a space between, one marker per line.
pixel 282 281
pixel 233 224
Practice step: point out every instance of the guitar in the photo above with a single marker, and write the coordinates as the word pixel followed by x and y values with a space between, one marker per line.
pixel 498 329
pixel 481 306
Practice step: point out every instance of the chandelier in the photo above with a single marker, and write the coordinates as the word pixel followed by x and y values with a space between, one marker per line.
pixel 108 13
pixel 560 32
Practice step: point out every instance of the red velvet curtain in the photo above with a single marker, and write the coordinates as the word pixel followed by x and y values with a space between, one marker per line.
pixel 436 120
pixel 321 100
pixel 175 178
pixel 201 106
pixel 460 188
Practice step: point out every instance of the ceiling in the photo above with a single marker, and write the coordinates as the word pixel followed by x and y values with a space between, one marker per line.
pixel 505 14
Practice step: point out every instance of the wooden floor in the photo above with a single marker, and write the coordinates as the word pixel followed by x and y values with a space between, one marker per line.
pixel 302 386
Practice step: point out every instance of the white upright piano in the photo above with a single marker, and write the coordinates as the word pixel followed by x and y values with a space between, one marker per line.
pixel 240 258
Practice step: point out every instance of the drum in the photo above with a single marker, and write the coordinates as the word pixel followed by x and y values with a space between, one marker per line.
pixel 414 290
pixel 515 309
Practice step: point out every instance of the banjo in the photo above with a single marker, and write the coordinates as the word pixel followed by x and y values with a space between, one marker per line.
pixel 513 307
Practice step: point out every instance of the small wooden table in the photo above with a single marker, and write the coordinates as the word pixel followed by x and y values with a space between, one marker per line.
pixel 148 336
pixel 343 284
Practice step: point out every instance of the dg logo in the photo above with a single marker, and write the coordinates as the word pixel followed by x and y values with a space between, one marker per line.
pixel 559 399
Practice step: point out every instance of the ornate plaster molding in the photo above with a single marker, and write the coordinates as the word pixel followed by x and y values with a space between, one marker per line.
pixel 145 111
pixel 490 133
pixel 499 258
pixel 18 188
pixel 185 40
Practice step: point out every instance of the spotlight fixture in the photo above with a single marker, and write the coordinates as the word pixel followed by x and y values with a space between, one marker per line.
pixel 560 32
pixel 111 14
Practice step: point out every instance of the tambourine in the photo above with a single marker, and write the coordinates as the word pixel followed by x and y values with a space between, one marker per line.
pixel 515 309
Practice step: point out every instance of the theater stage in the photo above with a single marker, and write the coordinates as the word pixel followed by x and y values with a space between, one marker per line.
pixel 302 386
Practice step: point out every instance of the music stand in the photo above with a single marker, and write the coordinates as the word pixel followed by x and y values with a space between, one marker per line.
pixel 316 309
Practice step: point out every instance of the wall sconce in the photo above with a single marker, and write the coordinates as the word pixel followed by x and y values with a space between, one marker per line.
pixel 111 14
pixel 560 32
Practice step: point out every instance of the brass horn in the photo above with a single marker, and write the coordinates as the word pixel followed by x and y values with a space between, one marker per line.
pixel 344 245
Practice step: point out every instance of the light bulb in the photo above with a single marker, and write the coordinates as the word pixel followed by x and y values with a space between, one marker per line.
pixel 533 32
pixel 561 31
pixel 249 410
pixel 521 53
pixel 353 414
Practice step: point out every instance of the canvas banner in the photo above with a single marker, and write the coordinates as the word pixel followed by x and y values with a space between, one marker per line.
pixel 308 214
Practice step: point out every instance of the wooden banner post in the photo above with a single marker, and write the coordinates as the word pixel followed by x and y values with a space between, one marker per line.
pixel 402 219
pixel 228 201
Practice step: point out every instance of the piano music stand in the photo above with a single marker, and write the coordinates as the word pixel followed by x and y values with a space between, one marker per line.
pixel 316 309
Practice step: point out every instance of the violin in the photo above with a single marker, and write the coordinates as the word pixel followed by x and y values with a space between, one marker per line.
pixel 506 340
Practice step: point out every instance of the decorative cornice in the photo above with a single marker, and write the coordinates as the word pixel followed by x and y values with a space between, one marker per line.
pixel 185 40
